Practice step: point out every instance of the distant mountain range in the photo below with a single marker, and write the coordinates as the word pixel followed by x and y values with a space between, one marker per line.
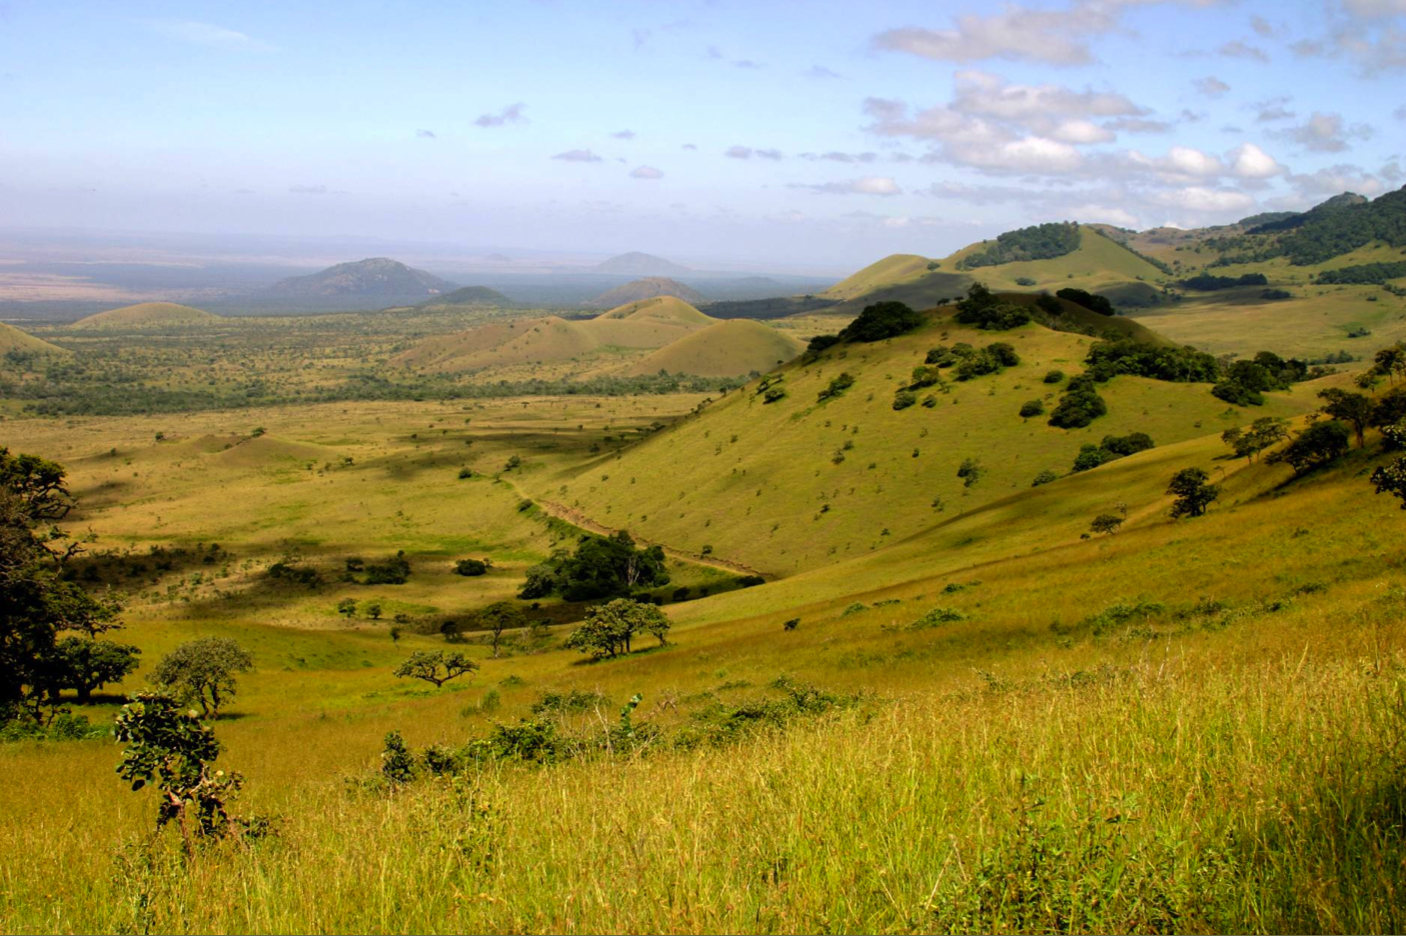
pixel 378 277
pixel 641 264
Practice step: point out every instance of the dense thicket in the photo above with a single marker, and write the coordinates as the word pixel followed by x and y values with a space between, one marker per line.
pixel 1091 301
pixel 1207 282
pixel 1325 234
pixel 599 567
pixel 1365 273
pixel 1107 359
pixel 1041 242
pixel 882 320
pixel 990 312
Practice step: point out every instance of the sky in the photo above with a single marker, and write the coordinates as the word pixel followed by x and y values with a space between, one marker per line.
pixel 820 135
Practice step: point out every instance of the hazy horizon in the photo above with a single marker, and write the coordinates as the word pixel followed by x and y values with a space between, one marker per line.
pixel 727 135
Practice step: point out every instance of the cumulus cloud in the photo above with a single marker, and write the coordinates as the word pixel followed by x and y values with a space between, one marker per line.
pixel 1326 133
pixel 425 134
pixel 868 185
pixel 1211 86
pixel 624 134
pixel 1273 109
pixel 1138 125
pixel 512 114
pixel 1375 43
pixel 578 155
pixel 210 36
pixel 1248 161
pixel 1334 180
pixel 646 172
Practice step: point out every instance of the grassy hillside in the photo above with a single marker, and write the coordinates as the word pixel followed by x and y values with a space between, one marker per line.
pixel 646 325
pixel 13 339
pixel 1186 725
pixel 724 349
pixel 148 315
pixel 796 484
pixel 1098 264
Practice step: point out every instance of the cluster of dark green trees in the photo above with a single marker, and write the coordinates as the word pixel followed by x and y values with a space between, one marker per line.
pixel 1331 230
pixel 599 567
pixel 1080 404
pixel 1110 449
pixel 1244 383
pixel 969 362
pixel 877 322
pixel 1365 273
pixel 1082 297
pixel 1207 282
pixel 1040 242
pixel 989 312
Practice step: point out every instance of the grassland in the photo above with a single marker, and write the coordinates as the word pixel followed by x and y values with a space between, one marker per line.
pixel 147 315
pixel 1225 755
pixel 23 343
pixel 1194 725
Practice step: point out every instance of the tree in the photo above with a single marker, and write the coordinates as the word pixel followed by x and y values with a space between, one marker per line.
pixel 37 602
pixel 1193 493
pixel 436 666
pixel 172 748
pixel 600 567
pixel 84 664
pixel 203 671
pixel 1317 445
pixel 1391 362
pixel 1106 523
pixel 609 629
pixel 1355 409
pixel 881 320
pixel 498 617
pixel 374 610
pixel 1391 479
pixel 1080 405
pixel 347 607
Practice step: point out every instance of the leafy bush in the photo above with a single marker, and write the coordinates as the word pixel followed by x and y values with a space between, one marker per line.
pixel 819 343
pixel 1044 477
pixel 1209 283
pixel 1079 406
pixel 1091 301
pixel 1054 376
pixel 1032 408
pixel 881 320
pixel 838 385
pixel 1317 445
pixel 989 312
pixel 472 567
pixel 773 394
pixel 970 471
pixel 393 571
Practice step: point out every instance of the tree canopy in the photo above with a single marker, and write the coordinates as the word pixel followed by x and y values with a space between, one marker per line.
pixel 599 567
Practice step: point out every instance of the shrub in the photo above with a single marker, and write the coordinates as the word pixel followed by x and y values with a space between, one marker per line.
pixel 989 312
pixel 1024 281
pixel 1091 301
pixel 904 399
pixel 820 342
pixel 970 472
pixel 773 394
pixel 881 320
pixel 1032 408
pixel 1079 406
pixel 838 385
pixel 1044 477
pixel 394 571
pixel 1054 376
pixel 472 567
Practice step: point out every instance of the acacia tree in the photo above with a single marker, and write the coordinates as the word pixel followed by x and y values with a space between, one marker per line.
pixel 1354 409
pixel 1106 523
pixel 609 629
pixel 203 671
pixel 498 617
pixel 1194 493
pixel 436 666
pixel 1391 362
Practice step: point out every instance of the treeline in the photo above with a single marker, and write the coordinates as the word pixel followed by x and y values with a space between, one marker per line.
pixel 1041 242
pixel 1365 273
pixel 46 397
pixel 1331 232
pixel 1207 282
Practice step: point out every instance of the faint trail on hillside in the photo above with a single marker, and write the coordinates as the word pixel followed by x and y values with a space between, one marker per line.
pixel 578 519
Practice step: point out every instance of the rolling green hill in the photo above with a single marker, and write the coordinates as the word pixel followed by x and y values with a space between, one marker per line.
pixel 797 483
pixel 733 348
pixel 13 339
pixel 148 315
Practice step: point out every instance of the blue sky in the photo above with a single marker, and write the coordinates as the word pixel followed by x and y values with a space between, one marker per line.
pixel 821 133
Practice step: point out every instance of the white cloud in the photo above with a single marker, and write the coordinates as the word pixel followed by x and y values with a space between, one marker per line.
pixel 624 134
pixel 425 134
pixel 512 114
pixel 868 185
pixel 210 36
pixel 578 155
pixel 820 71
pixel 646 172
pixel 1248 161
pixel 1334 180
pixel 1204 200
pixel 1082 132
pixel 747 152
pixel 1374 9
